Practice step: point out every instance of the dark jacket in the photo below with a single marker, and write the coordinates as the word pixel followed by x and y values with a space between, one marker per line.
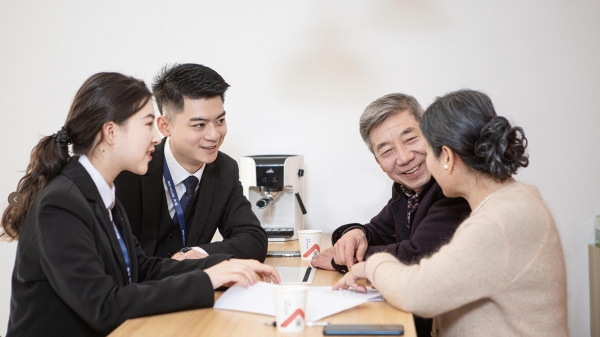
pixel 70 277
pixel 219 204
pixel 433 225
pixel 435 221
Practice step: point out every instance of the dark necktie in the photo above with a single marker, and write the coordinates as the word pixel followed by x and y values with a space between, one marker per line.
pixel 190 184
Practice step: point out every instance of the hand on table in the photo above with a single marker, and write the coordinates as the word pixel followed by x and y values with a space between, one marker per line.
pixel 350 247
pixel 323 260
pixel 247 272
pixel 350 280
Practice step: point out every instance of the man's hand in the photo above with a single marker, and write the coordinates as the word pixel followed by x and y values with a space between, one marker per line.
pixel 350 247
pixel 323 260
pixel 192 254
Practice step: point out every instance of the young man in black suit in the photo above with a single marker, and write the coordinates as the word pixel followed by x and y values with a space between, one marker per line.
pixel 176 212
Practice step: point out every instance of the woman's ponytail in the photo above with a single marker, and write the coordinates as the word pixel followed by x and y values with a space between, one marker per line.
pixel 48 158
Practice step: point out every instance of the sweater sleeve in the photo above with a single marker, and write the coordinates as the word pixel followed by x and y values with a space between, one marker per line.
pixel 469 268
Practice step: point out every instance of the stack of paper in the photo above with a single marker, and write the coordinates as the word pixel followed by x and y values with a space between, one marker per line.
pixel 320 302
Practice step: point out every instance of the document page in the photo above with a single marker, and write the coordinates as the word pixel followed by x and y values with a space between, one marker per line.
pixel 259 299
pixel 372 295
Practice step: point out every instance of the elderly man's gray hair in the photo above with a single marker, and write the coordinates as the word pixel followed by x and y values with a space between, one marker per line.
pixel 385 107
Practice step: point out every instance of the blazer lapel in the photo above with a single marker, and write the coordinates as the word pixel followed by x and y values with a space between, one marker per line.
pixel 152 195
pixel 107 226
pixel 127 236
pixel 82 179
pixel 205 196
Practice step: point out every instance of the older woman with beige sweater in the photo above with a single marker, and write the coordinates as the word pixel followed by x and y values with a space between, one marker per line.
pixel 503 272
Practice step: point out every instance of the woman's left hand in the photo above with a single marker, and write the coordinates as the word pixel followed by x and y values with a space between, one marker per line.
pixel 350 280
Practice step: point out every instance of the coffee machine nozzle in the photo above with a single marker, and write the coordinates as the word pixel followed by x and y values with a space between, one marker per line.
pixel 269 197
pixel 274 185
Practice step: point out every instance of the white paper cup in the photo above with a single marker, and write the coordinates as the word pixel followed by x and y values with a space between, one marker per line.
pixel 290 308
pixel 310 243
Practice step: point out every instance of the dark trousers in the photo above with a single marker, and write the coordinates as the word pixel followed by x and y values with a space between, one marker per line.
pixel 423 326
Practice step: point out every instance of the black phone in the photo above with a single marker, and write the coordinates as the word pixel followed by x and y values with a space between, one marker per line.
pixel 364 329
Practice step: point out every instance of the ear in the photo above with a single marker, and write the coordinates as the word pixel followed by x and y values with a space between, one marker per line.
pixel 448 157
pixel 164 126
pixel 109 132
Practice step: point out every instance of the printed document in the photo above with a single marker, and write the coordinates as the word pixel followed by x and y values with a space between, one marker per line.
pixel 320 302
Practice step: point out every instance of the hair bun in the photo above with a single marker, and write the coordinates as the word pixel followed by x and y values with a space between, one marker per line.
pixel 502 147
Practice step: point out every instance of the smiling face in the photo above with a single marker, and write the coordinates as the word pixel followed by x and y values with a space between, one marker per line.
pixel 136 140
pixel 399 150
pixel 196 133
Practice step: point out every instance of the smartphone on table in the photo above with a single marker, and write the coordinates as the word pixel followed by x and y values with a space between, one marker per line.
pixel 363 330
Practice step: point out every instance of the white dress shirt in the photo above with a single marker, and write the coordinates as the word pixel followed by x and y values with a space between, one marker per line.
pixel 107 193
pixel 178 174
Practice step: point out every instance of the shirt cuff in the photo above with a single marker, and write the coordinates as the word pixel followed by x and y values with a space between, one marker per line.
pixel 354 227
pixel 198 249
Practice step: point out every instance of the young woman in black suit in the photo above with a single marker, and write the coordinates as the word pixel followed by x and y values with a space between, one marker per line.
pixel 79 271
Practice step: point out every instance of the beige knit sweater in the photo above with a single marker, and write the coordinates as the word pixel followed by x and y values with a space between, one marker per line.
pixel 502 274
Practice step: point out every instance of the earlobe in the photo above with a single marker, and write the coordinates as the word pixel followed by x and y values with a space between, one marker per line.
pixel 449 159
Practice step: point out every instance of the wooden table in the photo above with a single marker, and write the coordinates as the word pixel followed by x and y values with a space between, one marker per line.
pixel 212 322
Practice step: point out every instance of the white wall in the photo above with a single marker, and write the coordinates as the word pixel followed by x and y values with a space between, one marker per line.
pixel 301 74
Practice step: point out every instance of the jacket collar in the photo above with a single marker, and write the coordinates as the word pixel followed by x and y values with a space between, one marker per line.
pixel 152 197
pixel 107 193
pixel 397 188
pixel 77 173
pixel 203 200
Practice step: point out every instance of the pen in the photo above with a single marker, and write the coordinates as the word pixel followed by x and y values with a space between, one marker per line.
pixel 317 323
pixel 307 323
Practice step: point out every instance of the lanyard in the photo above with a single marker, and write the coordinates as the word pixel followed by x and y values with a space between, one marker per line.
pixel 124 249
pixel 174 199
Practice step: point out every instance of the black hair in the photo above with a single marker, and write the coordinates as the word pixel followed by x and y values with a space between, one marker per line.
pixel 178 81
pixel 466 122
pixel 102 98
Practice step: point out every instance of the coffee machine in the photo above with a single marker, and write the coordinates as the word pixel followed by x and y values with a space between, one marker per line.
pixel 274 185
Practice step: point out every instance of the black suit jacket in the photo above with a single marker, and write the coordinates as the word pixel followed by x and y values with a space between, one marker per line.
pixel 433 224
pixel 219 204
pixel 70 277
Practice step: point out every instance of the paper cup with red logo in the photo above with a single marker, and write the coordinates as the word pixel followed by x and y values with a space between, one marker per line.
pixel 310 243
pixel 290 307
